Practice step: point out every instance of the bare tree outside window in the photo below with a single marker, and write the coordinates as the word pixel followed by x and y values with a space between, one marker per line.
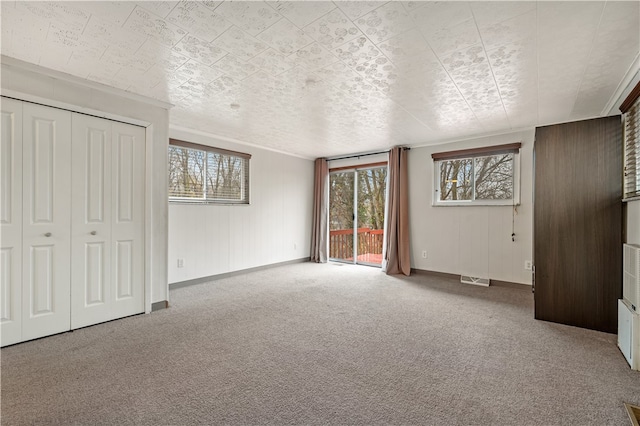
pixel 207 175
pixel 186 172
pixel 494 177
pixel 455 179
pixel 481 178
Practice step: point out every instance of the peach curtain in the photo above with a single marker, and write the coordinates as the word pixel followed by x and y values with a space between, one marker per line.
pixel 397 258
pixel 320 230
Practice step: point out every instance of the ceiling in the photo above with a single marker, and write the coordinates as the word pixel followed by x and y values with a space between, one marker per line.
pixel 329 78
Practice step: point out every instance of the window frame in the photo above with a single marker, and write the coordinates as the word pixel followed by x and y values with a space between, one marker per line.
pixel 630 109
pixel 246 175
pixel 473 153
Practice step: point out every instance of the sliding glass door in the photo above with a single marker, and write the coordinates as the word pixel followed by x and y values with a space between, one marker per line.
pixel 356 215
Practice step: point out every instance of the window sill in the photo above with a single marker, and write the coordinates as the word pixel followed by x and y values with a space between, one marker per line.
pixel 626 200
pixel 207 202
pixel 474 204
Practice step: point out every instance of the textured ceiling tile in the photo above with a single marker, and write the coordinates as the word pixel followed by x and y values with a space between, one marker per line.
pixel 234 67
pixel 154 27
pixel 285 37
pixel 359 51
pixel 64 38
pixel 520 28
pixel 472 55
pixel 239 43
pixel 160 8
pixel 565 37
pixel 272 62
pixel 198 20
pixel 364 91
pixel 453 38
pixel 474 79
pixel 488 13
pixel 610 57
pixel 114 56
pixel 348 92
pixel 435 16
pixel 302 13
pixel 405 47
pixel 143 82
pixel 263 82
pixel 356 9
pixel 200 50
pixel 21 26
pixel 55 59
pixel 312 57
pixel 515 70
pixel 385 22
pixel 336 73
pixel 333 29
pixel 383 75
pixel 115 12
pixel 64 13
pixel 99 30
pixel 250 16
pixel 161 55
pixel 410 6
pixel 193 70
pixel 224 84
pixel 300 78
pixel 92 66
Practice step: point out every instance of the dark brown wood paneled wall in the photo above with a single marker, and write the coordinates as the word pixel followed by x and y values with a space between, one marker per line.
pixel 578 223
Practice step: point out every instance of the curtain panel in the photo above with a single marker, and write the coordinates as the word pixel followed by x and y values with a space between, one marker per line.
pixel 320 230
pixel 397 257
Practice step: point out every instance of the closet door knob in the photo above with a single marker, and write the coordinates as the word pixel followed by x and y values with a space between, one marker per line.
pixel 48 234
pixel 93 232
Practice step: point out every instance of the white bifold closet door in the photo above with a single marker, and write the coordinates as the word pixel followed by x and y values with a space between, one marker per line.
pixel 72 220
pixel 46 183
pixel 11 222
pixel 107 220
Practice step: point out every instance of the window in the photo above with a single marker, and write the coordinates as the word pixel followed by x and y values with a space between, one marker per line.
pixel 477 176
pixel 631 113
pixel 199 173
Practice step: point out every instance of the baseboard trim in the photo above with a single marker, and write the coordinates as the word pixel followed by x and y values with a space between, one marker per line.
pixel 209 278
pixel 156 306
pixel 435 274
pixel 493 283
pixel 509 284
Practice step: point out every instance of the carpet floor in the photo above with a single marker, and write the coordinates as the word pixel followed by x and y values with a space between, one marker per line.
pixel 324 344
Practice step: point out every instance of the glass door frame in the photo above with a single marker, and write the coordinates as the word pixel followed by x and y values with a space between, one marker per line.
pixel 354 170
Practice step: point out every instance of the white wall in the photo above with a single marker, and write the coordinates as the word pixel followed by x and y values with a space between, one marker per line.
pixel 473 241
pixel 275 227
pixel 32 80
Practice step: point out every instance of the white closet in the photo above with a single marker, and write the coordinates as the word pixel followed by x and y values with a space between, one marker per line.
pixel 72 220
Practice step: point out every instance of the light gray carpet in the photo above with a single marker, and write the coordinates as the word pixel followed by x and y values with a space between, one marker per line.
pixel 324 344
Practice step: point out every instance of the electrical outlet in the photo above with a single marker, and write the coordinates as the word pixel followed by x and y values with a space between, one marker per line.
pixel 528 265
pixel 424 254
pixel 295 246
pixel 180 263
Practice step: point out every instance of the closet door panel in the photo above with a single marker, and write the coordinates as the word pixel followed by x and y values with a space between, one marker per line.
pixel 90 221
pixel 11 222
pixel 46 221
pixel 128 220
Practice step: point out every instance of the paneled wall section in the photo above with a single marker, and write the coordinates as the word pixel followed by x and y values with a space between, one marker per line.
pixel 473 241
pixel 276 227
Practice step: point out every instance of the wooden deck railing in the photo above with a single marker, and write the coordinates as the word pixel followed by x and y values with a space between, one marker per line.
pixel 341 242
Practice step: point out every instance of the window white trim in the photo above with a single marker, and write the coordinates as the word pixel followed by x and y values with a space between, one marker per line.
pixel 244 175
pixel 515 201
